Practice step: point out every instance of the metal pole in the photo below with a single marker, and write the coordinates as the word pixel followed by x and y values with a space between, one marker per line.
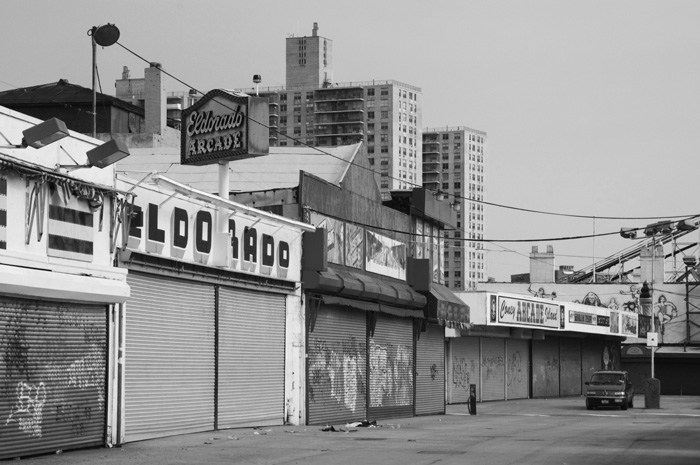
pixel 94 79
pixel 651 291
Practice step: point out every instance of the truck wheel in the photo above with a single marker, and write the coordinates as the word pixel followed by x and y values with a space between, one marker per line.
pixel 632 403
pixel 624 404
pixel 588 405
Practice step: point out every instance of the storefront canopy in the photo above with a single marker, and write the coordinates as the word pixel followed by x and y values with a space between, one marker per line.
pixel 370 306
pixel 365 287
pixel 446 307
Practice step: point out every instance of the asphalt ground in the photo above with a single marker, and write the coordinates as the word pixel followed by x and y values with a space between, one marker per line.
pixel 528 431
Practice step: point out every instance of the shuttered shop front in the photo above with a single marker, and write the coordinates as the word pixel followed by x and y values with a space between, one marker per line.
pixel 251 358
pixel 570 377
pixel 545 367
pixel 591 356
pixel 493 370
pixel 169 357
pixel 337 366
pixel 52 376
pixel 430 371
pixel 518 368
pixel 391 368
pixel 464 366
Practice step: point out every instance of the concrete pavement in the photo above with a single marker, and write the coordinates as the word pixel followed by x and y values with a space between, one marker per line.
pixel 428 439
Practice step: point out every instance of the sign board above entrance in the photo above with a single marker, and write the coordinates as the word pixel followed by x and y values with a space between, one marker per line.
pixel 224 126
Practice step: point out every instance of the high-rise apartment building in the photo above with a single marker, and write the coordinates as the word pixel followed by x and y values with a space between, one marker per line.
pixel 454 166
pixel 313 110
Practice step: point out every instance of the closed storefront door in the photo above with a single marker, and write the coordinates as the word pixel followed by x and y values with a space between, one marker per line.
pixel 169 357
pixel 570 376
pixel 464 368
pixel 391 368
pixel 52 376
pixel 337 366
pixel 251 358
pixel 430 371
pixel 493 372
pixel 517 368
pixel 591 356
pixel 545 367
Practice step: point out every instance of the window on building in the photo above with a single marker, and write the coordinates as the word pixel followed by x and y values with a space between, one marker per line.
pixel 385 114
pixel 370 115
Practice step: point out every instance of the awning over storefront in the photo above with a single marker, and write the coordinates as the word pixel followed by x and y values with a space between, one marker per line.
pixel 446 307
pixel 370 306
pixel 365 287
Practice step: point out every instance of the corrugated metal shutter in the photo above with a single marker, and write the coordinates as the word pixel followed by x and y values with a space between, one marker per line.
pixel 391 368
pixel 545 367
pixel 464 369
pixel 493 369
pixel 591 356
pixel 169 357
pixel 570 377
pixel 518 365
pixel 430 371
pixel 337 367
pixel 52 376
pixel 251 358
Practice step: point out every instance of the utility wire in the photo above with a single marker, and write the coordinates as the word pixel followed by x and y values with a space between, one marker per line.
pixel 526 210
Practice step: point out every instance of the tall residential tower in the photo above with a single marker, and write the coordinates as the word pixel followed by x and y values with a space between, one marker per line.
pixel 312 109
pixel 454 166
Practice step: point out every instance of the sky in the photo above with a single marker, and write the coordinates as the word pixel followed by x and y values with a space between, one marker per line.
pixel 592 108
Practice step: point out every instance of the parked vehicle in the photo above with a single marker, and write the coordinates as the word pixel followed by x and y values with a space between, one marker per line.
pixel 610 389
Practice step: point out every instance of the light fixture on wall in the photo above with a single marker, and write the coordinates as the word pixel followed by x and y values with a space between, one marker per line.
pixel 42 134
pixel 440 195
pixel 456 206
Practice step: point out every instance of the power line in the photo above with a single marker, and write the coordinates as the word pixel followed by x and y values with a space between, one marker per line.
pixel 526 210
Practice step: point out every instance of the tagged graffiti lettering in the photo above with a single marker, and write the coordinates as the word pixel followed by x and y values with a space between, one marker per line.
pixel 492 366
pixel 336 373
pixel 515 371
pixel 391 375
pixel 461 369
pixel 433 371
pixel 28 408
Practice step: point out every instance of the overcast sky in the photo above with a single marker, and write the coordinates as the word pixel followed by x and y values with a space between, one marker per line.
pixel 591 107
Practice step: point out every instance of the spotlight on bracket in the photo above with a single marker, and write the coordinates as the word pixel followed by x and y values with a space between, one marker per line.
pixel 102 156
pixel 45 133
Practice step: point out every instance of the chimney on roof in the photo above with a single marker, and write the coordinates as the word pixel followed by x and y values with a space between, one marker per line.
pixel 125 72
pixel 155 104
pixel 314 32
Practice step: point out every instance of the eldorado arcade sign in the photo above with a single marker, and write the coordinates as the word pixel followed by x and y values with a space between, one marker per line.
pixel 224 126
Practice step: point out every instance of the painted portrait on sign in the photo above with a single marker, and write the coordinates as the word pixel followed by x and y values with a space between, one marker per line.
pixel 354 245
pixel 385 256
pixel 335 230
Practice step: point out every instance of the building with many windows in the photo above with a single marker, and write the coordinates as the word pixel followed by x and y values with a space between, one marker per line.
pixel 314 110
pixel 454 167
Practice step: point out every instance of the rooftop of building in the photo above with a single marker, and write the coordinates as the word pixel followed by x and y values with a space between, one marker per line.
pixel 372 83
pixel 453 129
pixel 60 93
pixel 278 170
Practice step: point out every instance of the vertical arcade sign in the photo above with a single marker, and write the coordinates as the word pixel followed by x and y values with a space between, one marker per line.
pixel 224 126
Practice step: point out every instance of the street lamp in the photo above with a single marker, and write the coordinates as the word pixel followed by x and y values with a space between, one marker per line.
pixel 103 36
